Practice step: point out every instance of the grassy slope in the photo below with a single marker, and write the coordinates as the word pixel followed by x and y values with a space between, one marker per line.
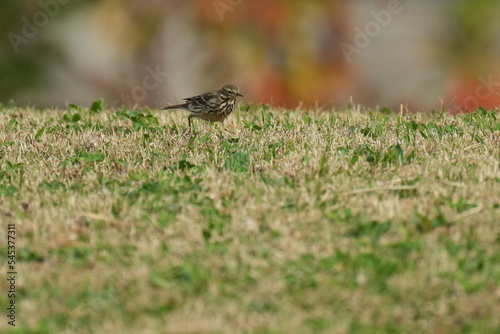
pixel 293 221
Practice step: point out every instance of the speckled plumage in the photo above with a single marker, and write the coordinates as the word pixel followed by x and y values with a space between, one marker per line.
pixel 212 106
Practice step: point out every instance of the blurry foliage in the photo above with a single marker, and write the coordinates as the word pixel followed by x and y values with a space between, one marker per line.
pixel 26 68
pixel 286 51
pixel 473 25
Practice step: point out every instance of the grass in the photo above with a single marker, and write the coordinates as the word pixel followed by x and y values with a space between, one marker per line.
pixel 286 221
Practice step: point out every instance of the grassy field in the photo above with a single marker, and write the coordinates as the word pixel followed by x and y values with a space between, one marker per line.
pixel 282 221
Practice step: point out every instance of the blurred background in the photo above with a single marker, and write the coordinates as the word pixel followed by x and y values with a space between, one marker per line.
pixel 422 54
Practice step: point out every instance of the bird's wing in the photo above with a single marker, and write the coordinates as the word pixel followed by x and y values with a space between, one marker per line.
pixel 203 102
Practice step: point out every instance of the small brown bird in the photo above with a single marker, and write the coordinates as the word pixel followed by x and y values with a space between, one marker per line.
pixel 212 106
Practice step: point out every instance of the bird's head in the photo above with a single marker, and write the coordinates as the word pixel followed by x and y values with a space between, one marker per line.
pixel 231 91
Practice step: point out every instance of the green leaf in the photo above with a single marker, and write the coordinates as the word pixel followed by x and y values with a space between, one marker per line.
pixel 68 118
pixel 39 133
pixel 481 111
pixel 7 190
pixel 386 111
pixel 75 108
pixel 27 255
pixel 354 160
pixel 71 118
pixel 139 120
pixel 97 106
pixel 13 124
pixel 398 150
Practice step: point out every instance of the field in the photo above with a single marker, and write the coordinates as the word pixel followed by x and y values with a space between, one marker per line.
pixel 280 221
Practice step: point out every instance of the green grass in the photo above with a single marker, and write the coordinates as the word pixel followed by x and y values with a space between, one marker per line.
pixel 282 221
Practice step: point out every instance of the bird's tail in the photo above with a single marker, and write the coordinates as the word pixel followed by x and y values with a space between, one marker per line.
pixel 177 106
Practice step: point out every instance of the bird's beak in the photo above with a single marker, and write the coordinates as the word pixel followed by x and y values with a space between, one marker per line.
pixel 239 94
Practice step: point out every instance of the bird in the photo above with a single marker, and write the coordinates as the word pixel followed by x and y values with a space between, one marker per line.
pixel 213 106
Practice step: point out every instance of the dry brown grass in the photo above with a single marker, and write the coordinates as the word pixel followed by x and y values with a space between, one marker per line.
pixel 327 227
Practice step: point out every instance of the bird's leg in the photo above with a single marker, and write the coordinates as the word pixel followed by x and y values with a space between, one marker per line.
pixel 189 125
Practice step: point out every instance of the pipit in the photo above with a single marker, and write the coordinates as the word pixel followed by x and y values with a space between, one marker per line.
pixel 212 106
